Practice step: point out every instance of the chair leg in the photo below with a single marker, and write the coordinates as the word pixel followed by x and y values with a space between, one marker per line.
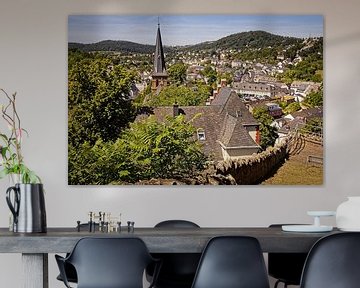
pixel 279 281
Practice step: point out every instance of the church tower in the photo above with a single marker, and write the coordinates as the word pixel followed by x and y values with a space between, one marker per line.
pixel 159 75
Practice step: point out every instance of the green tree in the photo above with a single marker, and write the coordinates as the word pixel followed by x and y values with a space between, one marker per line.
pixel 313 125
pixel 227 76
pixel 163 150
pixel 210 74
pixel 182 95
pixel 315 99
pixel 310 69
pixel 177 73
pixel 147 149
pixel 261 113
pixel 93 164
pixel 268 133
pixel 292 107
pixel 282 104
pixel 99 106
pixel 268 136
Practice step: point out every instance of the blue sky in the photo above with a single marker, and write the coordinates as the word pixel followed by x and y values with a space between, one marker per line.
pixel 186 29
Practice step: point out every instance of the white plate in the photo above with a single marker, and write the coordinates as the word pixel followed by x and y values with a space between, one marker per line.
pixel 306 228
pixel 321 213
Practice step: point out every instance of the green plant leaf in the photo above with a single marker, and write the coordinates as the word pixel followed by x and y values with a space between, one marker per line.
pixel 3 173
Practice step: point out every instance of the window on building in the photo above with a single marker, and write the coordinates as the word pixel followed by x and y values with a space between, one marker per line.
pixel 201 134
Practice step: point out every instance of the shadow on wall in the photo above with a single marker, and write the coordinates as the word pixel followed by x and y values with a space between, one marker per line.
pixel 344 39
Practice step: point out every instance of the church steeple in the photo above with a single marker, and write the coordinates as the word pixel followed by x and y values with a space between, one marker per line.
pixel 159 75
pixel 159 59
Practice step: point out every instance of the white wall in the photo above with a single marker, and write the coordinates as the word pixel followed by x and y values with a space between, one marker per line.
pixel 33 62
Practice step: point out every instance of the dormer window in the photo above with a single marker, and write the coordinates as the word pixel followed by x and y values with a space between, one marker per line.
pixel 201 134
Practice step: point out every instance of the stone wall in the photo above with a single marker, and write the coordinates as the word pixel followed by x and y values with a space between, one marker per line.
pixel 249 171
pixel 254 169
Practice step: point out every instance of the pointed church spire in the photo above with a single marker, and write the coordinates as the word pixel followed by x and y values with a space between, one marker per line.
pixel 159 59
pixel 159 75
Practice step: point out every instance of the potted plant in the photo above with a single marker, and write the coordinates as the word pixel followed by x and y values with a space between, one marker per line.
pixel 12 161
pixel 25 197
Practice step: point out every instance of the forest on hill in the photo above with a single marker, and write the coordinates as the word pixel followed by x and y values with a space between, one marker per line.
pixel 261 46
pixel 113 46
pixel 250 39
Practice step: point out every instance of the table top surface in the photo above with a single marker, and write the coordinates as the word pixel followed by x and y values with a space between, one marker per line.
pixel 158 240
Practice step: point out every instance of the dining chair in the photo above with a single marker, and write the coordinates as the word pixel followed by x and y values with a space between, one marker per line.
pixel 232 262
pixel 69 269
pixel 333 262
pixel 285 267
pixel 108 263
pixel 178 269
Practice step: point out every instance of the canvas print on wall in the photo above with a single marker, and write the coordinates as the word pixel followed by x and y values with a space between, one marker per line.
pixel 210 99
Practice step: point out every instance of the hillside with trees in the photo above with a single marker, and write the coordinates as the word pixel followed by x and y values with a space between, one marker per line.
pixel 311 66
pixel 115 46
pixel 243 40
pixel 250 39
pixel 111 45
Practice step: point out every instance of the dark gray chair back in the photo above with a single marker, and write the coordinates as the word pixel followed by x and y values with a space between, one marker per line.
pixel 232 262
pixel 333 262
pixel 108 262
pixel 178 269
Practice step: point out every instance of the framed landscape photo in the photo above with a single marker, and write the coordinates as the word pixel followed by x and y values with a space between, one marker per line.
pixel 195 100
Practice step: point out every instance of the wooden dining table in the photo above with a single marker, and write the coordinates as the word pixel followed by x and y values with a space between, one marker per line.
pixel 35 247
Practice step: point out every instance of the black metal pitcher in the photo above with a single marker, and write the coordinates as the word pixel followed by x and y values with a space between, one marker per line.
pixel 28 207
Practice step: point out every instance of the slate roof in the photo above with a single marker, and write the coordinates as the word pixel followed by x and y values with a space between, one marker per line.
pixel 222 97
pixel 292 125
pixel 224 120
pixel 309 113
pixel 260 87
pixel 228 101
pixel 234 134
